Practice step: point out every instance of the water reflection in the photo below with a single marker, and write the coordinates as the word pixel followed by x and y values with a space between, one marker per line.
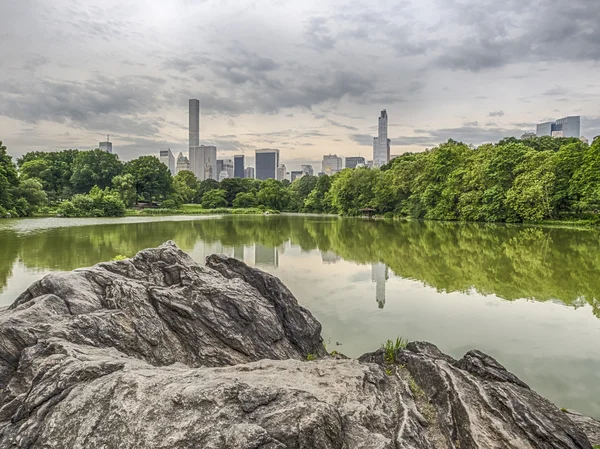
pixel 379 275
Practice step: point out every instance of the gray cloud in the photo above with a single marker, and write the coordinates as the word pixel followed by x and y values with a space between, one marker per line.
pixel 496 114
pixel 341 125
pixel 317 35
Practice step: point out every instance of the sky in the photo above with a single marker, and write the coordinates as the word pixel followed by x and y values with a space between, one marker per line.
pixel 309 77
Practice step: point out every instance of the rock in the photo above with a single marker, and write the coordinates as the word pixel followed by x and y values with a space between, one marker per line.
pixel 590 426
pixel 160 352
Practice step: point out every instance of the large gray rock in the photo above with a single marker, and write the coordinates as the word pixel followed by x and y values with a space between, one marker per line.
pixel 160 352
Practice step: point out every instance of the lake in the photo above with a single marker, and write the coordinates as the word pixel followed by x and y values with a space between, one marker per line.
pixel 528 296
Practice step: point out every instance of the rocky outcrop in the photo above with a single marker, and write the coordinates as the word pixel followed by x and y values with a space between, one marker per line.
pixel 160 352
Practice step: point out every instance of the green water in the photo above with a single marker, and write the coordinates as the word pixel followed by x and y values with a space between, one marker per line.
pixel 528 296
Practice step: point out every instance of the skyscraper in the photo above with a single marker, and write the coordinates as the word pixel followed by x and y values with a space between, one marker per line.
pixel 224 168
pixel 183 163
pixel 249 173
pixel 167 158
pixel 331 164
pixel 308 170
pixel 267 162
pixel 238 166
pixel 106 146
pixel 295 175
pixel 203 162
pixel 563 127
pixel 194 123
pixel 381 143
pixel 281 172
pixel 352 162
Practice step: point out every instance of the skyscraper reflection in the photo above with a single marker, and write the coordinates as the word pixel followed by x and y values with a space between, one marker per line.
pixel 379 275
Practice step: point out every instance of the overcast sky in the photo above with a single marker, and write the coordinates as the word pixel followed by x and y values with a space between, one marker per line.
pixel 306 76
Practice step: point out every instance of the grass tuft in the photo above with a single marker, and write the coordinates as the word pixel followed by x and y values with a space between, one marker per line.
pixel 390 347
pixel 310 357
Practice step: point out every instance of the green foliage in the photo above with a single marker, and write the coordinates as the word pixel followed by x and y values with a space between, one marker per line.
pixel 94 168
pixel 245 200
pixel 152 178
pixel 124 185
pixel 214 199
pixel 416 390
pixel 8 181
pixel 98 203
pixel 310 357
pixel 30 196
pixel 186 186
pixel 390 347
pixel 273 195
pixel 119 257
pixel 53 169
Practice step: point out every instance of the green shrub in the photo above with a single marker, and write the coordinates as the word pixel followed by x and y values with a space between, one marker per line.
pixel 98 203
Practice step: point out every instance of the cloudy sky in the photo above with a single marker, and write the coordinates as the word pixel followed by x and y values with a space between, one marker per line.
pixel 306 76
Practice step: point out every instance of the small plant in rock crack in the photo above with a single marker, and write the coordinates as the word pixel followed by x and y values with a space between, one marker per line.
pixel 390 347
pixel 310 357
pixel 119 257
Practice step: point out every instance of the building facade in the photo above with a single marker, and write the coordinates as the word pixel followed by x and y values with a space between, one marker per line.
pixel 281 172
pixel 267 162
pixel 106 146
pixel 249 173
pixel 183 163
pixel 308 170
pixel 238 166
pixel 381 143
pixel 203 162
pixel 194 123
pixel 331 164
pixel 352 162
pixel 296 175
pixel 167 158
pixel 563 127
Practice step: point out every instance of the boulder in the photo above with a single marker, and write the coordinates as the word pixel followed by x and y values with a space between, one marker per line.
pixel 158 351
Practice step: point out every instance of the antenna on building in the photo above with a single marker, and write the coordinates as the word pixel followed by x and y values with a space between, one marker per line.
pixel 108 137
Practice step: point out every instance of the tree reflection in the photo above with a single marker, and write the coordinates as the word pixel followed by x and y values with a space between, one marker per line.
pixel 511 262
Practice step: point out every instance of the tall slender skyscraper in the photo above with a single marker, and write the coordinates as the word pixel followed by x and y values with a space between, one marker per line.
pixel 238 164
pixel 381 143
pixel 194 123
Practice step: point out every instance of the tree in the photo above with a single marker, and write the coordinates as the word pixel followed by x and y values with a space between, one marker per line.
pixel 94 168
pixel 318 199
pixel 8 180
pixel 214 199
pixel 153 180
pixel 273 195
pixel 243 199
pixel 124 185
pixel 205 186
pixel 232 187
pixel 32 192
pixel 186 186
pixel 98 203
pixel 53 169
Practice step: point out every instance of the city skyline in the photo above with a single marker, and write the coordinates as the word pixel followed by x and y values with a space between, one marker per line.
pixel 314 93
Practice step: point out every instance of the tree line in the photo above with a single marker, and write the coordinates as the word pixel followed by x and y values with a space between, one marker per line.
pixel 511 181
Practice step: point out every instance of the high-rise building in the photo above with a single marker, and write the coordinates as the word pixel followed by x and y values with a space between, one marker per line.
pixel 183 163
pixel 296 175
pixel 381 143
pixel 106 146
pixel 203 162
pixel 238 166
pixel 249 173
pixel 219 168
pixel 267 162
pixel 308 170
pixel 167 158
pixel 563 127
pixel 281 172
pixel 227 167
pixel 352 162
pixel 194 123
pixel 331 164
pixel 528 135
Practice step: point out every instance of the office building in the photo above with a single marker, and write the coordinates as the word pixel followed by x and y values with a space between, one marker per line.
pixel 167 158
pixel 563 127
pixel 183 163
pixel 267 162
pixel 352 162
pixel 381 143
pixel 106 146
pixel 249 173
pixel 194 123
pixel 203 162
pixel 296 175
pixel 281 172
pixel 331 164
pixel 308 170
pixel 238 166
pixel 227 167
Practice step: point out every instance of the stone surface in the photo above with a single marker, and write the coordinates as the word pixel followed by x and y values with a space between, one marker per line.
pixel 160 352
